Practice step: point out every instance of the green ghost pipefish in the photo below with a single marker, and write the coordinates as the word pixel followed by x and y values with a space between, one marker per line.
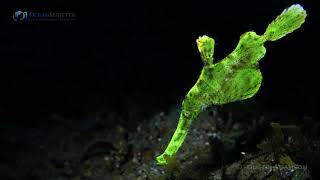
pixel 234 78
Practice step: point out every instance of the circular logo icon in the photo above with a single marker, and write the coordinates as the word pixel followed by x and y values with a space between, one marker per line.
pixel 20 16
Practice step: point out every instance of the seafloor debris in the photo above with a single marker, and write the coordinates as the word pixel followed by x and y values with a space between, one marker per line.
pixel 222 144
pixel 272 162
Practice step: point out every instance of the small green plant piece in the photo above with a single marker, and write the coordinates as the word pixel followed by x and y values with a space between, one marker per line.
pixel 234 78
pixel 275 142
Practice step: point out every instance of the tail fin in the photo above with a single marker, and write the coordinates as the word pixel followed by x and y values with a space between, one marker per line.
pixel 288 21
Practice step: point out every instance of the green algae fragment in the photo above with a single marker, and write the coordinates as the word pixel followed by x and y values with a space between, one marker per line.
pixel 234 78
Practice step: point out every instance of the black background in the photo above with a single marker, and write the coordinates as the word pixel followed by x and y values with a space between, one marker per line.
pixel 142 56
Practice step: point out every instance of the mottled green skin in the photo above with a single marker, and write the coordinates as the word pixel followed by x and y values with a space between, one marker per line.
pixel 234 78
